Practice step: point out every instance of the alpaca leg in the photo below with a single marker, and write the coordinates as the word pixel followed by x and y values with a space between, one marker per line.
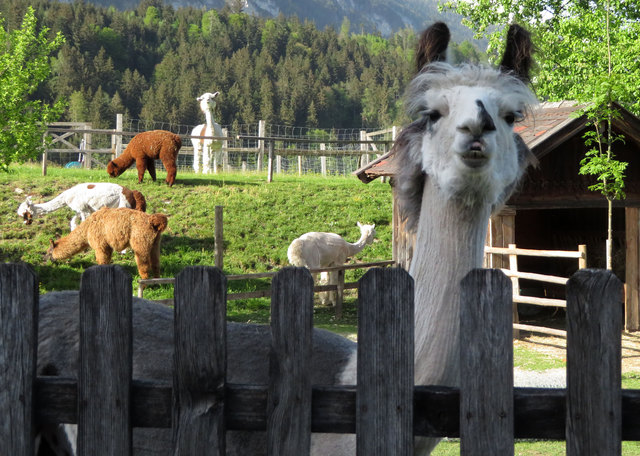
pixel 172 169
pixel 205 158
pixel 74 222
pixel 151 167
pixel 333 295
pixel 155 257
pixel 324 295
pixel 196 158
pixel 143 261
pixel 103 254
pixel 141 166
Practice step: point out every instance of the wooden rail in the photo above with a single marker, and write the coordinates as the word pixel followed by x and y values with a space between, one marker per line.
pixel 513 252
pixel 339 287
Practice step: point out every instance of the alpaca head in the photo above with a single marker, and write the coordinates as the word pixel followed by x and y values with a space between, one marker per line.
pixel 368 232
pixel 113 169
pixel 207 101
pixel 48 256
pixel 463 138
pixel 25 210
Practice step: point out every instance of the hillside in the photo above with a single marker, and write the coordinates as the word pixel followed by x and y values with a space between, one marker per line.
pixel 368 16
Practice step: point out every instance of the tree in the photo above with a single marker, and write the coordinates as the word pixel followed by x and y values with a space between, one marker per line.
pixel 24 64
pixel 589 54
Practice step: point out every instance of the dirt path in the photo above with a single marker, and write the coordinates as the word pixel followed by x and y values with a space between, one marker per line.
pixel 556 347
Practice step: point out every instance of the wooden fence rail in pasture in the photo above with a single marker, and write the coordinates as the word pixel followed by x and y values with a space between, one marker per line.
pixel 338 288
pixel 515 274
pixel 384 409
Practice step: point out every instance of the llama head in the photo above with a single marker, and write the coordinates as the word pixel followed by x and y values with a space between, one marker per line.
pixel 207 101
pixel 463 138
pixel 25 210
pixel 368 232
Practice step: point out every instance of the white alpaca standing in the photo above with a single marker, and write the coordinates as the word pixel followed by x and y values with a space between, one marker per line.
pixel 316 250
pixel 459 160
pixel 203 146
pixel 84 199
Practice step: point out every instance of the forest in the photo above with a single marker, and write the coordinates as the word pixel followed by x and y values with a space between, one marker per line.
pixel 152 62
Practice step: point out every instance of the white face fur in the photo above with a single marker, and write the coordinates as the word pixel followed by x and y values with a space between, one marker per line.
pixel 468 146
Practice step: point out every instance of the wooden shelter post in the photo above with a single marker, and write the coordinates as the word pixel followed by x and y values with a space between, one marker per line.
pixel 632 267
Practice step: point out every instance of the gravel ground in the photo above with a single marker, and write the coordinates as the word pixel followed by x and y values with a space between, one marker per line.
pixel 550 378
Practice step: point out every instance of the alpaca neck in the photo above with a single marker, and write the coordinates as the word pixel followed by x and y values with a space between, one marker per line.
pixel 50 206
pixel 208 118
pixel 357 246
pixel 449 243
pixel 74 242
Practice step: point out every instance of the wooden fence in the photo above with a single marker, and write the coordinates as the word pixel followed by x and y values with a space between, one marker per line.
pixel 515 274
pixel 338 287
pixel 593 414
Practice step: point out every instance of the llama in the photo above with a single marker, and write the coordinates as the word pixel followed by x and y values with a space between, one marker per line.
pixel 317 250
pixel 460 160
pixel 209 128
pixel 84 199
pixel 115 229
pixel 146 147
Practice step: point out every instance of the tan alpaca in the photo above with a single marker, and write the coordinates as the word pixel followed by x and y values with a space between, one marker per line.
pixel 116 229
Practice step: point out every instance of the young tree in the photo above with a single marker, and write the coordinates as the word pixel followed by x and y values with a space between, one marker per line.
pixel 24 64
pixel 588 53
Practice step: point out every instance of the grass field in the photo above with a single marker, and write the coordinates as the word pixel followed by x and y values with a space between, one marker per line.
pixel 260 220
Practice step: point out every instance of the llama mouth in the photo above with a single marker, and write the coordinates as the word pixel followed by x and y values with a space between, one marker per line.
pixel 475 156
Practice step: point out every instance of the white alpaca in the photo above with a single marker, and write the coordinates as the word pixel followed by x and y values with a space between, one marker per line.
pixel 459 160
pixel 317 250
pixel 84 199
pixel 203 146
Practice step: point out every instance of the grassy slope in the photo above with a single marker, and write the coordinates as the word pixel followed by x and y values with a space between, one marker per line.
pixel 260 220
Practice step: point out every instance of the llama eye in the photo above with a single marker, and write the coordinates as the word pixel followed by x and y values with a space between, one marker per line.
pixel 513 117
pixel 430 115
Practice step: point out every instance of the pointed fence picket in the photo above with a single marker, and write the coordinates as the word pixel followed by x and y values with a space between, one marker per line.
pixel 385 409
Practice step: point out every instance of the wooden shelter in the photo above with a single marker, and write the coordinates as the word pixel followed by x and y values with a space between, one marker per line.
pixel 554 209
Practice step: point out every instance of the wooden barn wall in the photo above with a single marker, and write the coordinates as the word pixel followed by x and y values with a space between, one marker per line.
pixel 555 183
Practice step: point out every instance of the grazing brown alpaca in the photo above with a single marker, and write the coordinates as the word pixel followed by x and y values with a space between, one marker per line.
pixel 146 147
pixel 116 229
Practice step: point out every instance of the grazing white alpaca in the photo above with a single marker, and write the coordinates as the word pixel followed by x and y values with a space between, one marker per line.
pixel 202 146
pixel 460 159
pixel 84 199
pixel 317 250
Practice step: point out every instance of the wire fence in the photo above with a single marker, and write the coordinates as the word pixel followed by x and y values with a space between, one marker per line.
pixel 300 150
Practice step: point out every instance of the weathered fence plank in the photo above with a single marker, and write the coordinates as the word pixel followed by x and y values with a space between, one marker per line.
pixel 486 364
pixel 18 342
pixel 385 363
pixel 106 364
pixel 594 327
pixel 289 404
pixel 200 362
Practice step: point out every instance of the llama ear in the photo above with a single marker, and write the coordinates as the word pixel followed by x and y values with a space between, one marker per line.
pixel 517 58
pixel 432 45
pixel 359 224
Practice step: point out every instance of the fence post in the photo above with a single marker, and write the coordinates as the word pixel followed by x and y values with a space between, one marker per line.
pixel 515 285
pixel 219 237
pixel 270 162
pixel 199 361
pixel 323 161
pixel 289 403
pixel 116 140
pixel 384 413
pixel 486 364
pixel 106 363
pixel 339 293
pixel 225 150
pixel 261 134
pixel 594 397
pixel 18 342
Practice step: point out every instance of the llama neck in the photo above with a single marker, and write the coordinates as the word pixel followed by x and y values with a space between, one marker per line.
pixel 357 246
pixel 208 118
pixel 73 243
pixel 50 206
pixel 449 243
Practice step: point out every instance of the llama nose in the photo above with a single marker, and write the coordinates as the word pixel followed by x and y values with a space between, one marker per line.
pixel 480 124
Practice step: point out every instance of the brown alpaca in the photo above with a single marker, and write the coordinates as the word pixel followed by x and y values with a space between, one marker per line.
pixel 146 147
pixel 116 229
